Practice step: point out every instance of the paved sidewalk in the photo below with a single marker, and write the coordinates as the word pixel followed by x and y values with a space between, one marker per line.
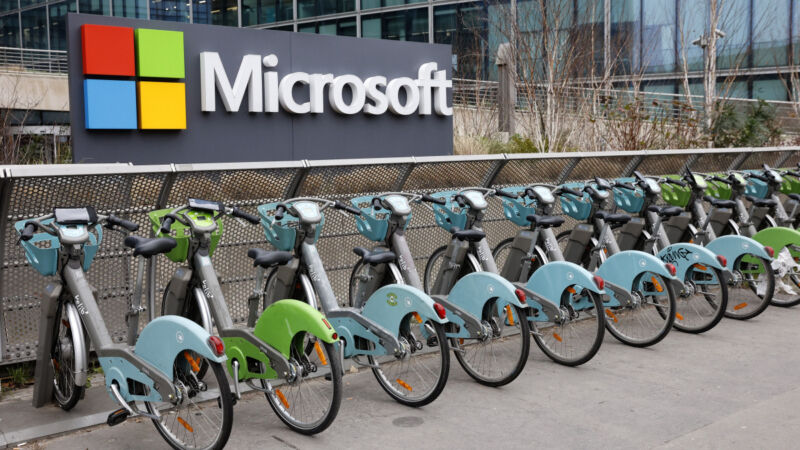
pixel 734 387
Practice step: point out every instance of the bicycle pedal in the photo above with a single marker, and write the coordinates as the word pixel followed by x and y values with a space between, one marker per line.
pixel 117 417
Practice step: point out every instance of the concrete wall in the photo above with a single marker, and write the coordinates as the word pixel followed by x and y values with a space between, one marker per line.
pixel 24 90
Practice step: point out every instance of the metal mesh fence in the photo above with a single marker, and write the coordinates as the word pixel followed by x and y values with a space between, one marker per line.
pixel 132 191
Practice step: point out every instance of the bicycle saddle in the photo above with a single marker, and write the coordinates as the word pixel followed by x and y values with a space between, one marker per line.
pixel 375 257
pixel 545 221
pixel 729 204
pixel 267 259
pixel 795 197
pixel 148 247
pixel 665 211
pixel 765 202
pixel 468 235
pixel 612 218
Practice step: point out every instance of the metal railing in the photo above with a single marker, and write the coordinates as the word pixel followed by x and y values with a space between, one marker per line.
pixel 601 102
pixel 14 59
pixel 132 191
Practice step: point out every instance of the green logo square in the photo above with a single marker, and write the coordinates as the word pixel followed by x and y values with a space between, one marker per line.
pixel 159 53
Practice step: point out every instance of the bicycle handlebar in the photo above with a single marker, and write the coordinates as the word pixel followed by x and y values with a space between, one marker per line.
pixel 27 232
pixel 236 212
pixel 113 221
pixel 680 183
pixel 506 194
pixel 431 199
pixel 351 209
pixel 625 185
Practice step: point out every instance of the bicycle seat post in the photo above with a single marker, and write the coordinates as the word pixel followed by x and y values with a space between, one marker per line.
pixel 255 297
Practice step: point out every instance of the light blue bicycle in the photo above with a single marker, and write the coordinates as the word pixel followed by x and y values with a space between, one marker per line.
pixel 160 370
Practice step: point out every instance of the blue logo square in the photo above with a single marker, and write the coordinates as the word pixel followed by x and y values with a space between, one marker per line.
pixel 110 104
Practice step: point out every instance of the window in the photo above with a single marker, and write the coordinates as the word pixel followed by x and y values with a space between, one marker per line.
pixel 771 20
pixel 464 26
pixel 769 89
pixel 58 23
pixel 172 10
pixel 337 27
pixel 658 36
pixel 625 35
pixel 9 30
pixel 265 11
pixel 93 7
pixel 370 4
pixel 8 5
pixel 136 9
pixel 737 89
pixel 312 8
pixel 693 20
pixel 411 25
pixel 216 12
pixel 34 28
pixel 586 36
pixel 734 19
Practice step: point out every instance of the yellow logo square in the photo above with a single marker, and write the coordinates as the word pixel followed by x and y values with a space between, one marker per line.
pixel 162 105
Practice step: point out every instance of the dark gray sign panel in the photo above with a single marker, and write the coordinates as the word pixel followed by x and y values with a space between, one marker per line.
pixel 245 135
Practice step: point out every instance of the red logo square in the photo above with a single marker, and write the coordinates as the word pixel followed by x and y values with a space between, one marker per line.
pixel 108 50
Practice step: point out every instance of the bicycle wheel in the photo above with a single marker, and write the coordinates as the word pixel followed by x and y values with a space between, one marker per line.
pixel 648 320
pixel 419 377
pixel 499 359
pixel 359 275
pixel 432 268
pixel 190 312
pixel 500 253
pixel 750 291
pixel 309 403
pixel 787 280
pixel 202 416
pixel 62 359
pixel 702 302
pixel 575 336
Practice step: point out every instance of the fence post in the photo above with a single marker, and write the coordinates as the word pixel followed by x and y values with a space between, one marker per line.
pixel 507 91
pixel 161 202
pixel 498 165
pixel 5 194
pixel 562 177
pixel 297 180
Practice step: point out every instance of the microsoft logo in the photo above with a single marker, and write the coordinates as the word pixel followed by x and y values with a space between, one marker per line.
pixel 133 78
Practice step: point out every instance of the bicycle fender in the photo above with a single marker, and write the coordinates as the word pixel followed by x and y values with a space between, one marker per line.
pixel 167 336
pixel 474 290
pixel 552 279
pixel 684 256
pixel 624 268
pixel 389 305
pixel 348 329
pixel 778 238
pixel 281 321
pixel 733 247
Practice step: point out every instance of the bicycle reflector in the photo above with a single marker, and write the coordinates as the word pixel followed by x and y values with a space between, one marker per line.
pixel 440 311
pixel 520 295
pixel 722 260
pixel 216 345
pixel 770 251
pixel 671 269
pixel 599 282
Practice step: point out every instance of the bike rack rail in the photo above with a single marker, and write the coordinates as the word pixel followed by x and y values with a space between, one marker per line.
pixel 132 191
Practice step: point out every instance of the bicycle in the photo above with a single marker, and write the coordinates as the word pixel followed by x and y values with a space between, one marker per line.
pixel 290 341
pixel 488 330
pixel 399 329
pixel 748 281
pixel 158 370
pixel 564 299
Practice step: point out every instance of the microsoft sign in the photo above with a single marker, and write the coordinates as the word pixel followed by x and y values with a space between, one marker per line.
pixel 160 92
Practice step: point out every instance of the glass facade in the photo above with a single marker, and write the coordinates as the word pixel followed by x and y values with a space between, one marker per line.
pixel 654 39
